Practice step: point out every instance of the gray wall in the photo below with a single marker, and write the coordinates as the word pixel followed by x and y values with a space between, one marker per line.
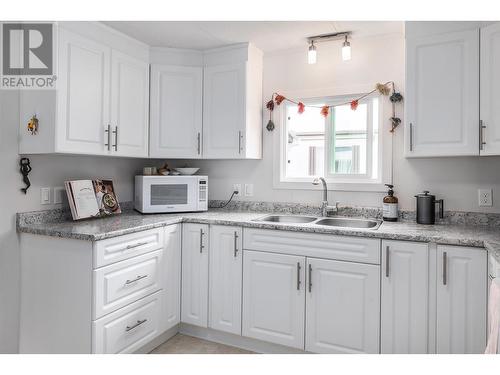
pixel 48 171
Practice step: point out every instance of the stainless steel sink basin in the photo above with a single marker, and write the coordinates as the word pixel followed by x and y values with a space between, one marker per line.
pixel 290 219
pixel 348 223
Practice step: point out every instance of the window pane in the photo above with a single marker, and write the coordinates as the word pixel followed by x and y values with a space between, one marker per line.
pixel 349 143
pixel 305 144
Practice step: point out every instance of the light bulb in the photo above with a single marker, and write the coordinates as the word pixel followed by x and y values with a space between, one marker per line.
pixel 346 50
pixel 311 54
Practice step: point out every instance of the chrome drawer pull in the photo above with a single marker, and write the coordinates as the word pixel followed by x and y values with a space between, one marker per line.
pixel 139 322
pixel 235 244
pixel 310 278
pixel 128 282
pixel 136 245
pixel 445 270
pixel 298 276
pixel 201 240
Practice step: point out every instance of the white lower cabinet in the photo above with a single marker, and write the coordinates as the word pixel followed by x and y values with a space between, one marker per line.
pixel 274 297
pixel 172 275
pixel 404 297
pixel 128 329
pixel 226 262
pixel 195 241
pixel 461 300
pixel 342 307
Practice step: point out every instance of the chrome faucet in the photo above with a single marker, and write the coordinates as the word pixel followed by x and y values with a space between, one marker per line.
pixel 326 209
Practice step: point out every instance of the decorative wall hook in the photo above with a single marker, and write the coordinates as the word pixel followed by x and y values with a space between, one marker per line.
pixel 25 170
pixel 33 125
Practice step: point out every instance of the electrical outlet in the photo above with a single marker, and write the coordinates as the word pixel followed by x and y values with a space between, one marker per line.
pixel 45 195
pixel 237 187
pixel 248 190
pixel 485 197
pixel 58 194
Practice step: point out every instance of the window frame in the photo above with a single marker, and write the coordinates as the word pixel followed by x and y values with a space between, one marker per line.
pixel 345 182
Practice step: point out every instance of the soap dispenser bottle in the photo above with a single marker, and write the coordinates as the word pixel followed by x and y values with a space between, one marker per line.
pixel 390 206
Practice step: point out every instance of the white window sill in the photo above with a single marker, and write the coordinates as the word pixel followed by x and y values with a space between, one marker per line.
pixel 377 187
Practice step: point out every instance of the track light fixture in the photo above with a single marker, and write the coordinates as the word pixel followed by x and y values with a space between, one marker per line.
pixel 346 46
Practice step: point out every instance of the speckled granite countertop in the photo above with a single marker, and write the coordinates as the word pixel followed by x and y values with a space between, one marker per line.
pixel 131 221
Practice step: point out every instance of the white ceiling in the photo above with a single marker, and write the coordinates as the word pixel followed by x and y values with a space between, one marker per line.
pixel 266 35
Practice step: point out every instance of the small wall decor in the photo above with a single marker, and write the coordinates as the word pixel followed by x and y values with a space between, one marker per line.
pixel 25 169
pixel 33 125
pixel 382 88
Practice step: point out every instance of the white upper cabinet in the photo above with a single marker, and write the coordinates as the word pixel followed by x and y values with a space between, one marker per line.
pixel 274 298
pixel 490 89
pixel 101 102
pixel 129 105
pixel 232 104
pixel 405 295
pixel 461 300
pixel 342 307
pixel 226 269
pixel 82 95
pixel 442 94
pixel 176 111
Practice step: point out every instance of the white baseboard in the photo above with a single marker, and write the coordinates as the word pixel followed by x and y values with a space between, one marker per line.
pixel 241 342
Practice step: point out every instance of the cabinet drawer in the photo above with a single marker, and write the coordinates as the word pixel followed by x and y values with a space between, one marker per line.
pixel 121 283
pixel 129 328
pixel 353 249
pixel 123 247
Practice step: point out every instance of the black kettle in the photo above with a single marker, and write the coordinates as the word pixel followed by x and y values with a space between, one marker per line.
pixel 426 208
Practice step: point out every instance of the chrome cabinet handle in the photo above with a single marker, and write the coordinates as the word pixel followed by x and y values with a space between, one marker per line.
pixel 481 135
pixel 387 261
pixel 115 132
pixel 139 322
pixel 108 130
pixel 235 244
pixel 298 276
pixel 411 136
pixel 199 142
pixel 128 282
pixel 201 240
pixel 445 270
pixel 239 141
pixel 136 245
pixel 310 278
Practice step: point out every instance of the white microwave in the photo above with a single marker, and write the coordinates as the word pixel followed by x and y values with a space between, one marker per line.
pixel 158 194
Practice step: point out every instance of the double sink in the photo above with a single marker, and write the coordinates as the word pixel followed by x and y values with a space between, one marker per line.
pixel 339 222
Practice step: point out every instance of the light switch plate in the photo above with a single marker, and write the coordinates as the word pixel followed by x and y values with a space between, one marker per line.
pixel 45 195
pixel 248 190
pixel 58 195
pixel 237 187
pixel 485 197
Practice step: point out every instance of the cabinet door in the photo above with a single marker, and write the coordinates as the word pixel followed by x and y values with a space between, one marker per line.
pixel 83 94
pixel 129 105
pixel 273 298
pixel 442 94
pixel 172 284
pixel 490 89
pixel 226 262
pixel 224 120
pixel 461 300
pixel 405 295
pixel 176 111
pixel 195 274
pixel 342 307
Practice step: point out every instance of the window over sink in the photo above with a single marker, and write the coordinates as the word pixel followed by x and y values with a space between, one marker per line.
pixel 345 147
